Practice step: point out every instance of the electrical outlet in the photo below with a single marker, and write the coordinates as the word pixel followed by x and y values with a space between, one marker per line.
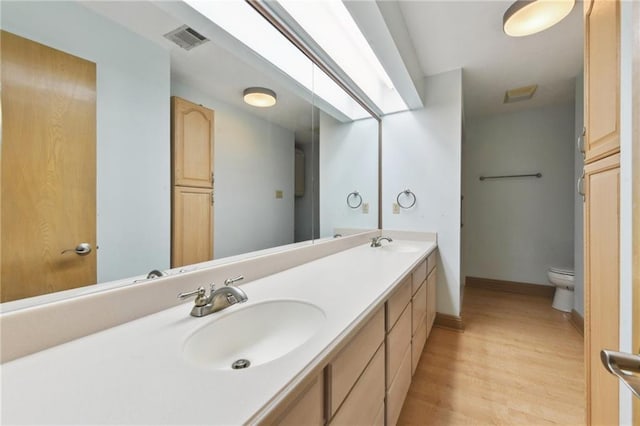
pixel 396 208
pixel 279 194
pixel 365 208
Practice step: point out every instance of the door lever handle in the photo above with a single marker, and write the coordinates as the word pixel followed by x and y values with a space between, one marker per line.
pixel 81 249
pixel 625 366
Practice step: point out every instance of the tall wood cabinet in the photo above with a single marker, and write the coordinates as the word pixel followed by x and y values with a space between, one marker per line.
pixel 192 183
pixel 602 203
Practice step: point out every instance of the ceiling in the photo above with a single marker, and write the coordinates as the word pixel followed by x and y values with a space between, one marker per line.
pixel 468 34
pixel 213 67
pixel 445 35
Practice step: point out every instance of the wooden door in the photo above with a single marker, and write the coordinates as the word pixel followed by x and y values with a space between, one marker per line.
pixel 48 169
pixel 192 140
pixel 602 285
pixel 601 78
pixel 192 233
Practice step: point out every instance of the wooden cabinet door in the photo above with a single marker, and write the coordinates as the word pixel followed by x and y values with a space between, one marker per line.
pixel 432 282
pixel 601 78
pixel 192 144
pixel 602 288
pixel 192 227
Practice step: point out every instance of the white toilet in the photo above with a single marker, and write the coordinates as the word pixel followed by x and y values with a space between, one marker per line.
pixel 562 279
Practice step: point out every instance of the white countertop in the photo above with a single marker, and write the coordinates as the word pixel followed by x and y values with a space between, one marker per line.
pixel 136 373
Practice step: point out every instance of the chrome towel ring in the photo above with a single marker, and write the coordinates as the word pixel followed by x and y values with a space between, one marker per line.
pixel 406 193
pixel 358 198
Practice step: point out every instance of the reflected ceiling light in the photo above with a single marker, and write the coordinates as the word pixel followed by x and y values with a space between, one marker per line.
pixel 260 97
pixel 526 17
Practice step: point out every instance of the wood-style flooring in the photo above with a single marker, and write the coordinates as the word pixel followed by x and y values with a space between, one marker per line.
pixel 518 362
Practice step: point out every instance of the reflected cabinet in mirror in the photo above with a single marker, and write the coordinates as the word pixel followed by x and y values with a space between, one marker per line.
pixel 128 145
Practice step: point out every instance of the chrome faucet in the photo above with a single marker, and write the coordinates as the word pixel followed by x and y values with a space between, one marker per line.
pixel 376 241
pixel 217 300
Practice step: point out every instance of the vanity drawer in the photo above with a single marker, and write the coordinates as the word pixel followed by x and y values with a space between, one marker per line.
pixel 431 261
pixel 362 405
pixel 419 308
pixel 398 342
pixel 346 367
pixel 398 301
pixel 418 276
pixel 417 345
pixel 307 409
pixel 432 282
pixel 398 390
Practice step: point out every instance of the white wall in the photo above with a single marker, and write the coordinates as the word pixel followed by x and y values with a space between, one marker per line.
pixel 421 151
pixel 252 159
pixel 348 162
pixel 515 229
pixel 578 203
pixel 133 195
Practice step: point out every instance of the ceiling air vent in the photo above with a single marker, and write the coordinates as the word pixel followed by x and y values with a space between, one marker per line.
pixel 186 37
pixel 519 94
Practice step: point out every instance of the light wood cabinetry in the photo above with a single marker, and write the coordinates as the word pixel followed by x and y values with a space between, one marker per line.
pixel 192 143
pixel 418 276
pixel 602 305
pixel 601 78
pixel 192 224
pixel 602 203
pixel 398 343
pixel 398 301
pixel 432 281
pixel 399 346
pixel 397 392
pixel 362 405
pixel 343 371
pixel 307 409
pixel 419 308
pixel 367 382
pixel 192 183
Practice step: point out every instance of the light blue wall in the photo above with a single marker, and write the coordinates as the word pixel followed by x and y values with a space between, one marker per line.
pixel 133 110
pixel 515 229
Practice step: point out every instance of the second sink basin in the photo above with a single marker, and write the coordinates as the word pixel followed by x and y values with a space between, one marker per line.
pixel 400 248
pixel 257 333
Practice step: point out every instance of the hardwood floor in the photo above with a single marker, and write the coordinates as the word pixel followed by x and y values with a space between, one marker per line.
pixel 518 362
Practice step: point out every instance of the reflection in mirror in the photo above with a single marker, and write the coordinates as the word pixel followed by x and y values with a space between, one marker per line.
pixel 262 198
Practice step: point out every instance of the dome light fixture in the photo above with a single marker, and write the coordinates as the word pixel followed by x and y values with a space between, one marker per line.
pixel 260 97
pixel 526 17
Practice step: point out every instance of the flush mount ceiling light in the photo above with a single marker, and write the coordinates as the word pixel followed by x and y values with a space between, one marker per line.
pixel 519 94
pixel 260 97
pixel 526 17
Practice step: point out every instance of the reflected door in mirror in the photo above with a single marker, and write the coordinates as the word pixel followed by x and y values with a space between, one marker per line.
pixel 48 169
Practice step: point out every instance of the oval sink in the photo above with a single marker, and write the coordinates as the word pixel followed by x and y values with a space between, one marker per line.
pixel 259 333
pixel 401 248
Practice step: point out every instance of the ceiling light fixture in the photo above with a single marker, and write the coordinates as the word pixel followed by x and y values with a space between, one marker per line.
pixel 526 17
pixel 260 97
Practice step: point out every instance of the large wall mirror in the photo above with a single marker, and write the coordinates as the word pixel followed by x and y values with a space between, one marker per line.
pixel 303 169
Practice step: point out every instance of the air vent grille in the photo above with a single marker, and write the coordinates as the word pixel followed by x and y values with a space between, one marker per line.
pixel 519 94
pixel 186 37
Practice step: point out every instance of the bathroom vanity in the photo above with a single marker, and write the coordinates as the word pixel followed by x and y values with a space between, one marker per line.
pixel 334 340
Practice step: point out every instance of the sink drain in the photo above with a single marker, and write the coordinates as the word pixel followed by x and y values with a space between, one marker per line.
pixel 240 364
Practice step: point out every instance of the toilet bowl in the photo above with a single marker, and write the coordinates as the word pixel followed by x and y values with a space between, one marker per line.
pixel 562 279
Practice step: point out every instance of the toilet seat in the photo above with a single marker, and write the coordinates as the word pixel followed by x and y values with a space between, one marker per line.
pixel 562 270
